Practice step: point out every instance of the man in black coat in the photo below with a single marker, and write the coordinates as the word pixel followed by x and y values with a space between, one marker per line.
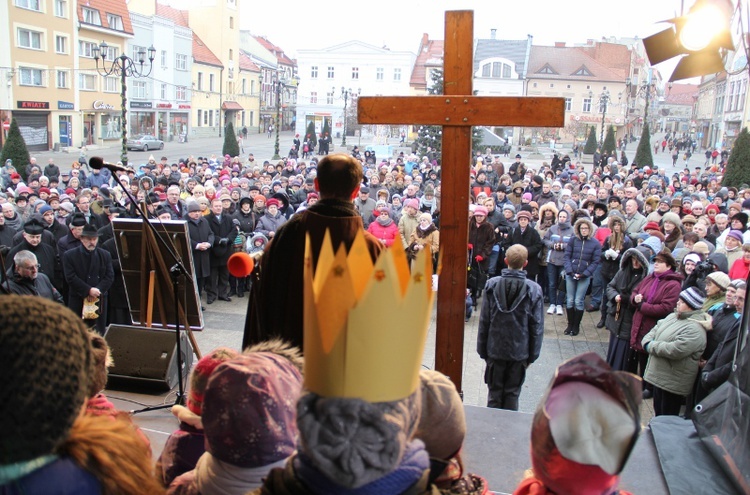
pixel 73 239
pixel 89 273
pixel 26 279
pixel 51 225
pixel 224 229
pixel 45 254
pixel 201 240
pixel 6 233
pixel 174 203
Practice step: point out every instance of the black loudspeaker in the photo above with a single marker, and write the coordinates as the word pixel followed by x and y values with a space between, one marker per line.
pixel 146 357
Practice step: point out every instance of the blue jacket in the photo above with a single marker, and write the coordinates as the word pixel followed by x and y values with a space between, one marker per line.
pixel 60 477
pixel 511 324
pixel 582 255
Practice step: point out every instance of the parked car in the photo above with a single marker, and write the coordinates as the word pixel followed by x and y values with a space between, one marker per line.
pixel 145 142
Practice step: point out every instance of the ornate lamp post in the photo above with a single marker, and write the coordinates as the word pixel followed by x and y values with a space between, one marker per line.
pixel 278 86
pixel 644 89
pixel 345 94
pixel 124 67
pixel 603 104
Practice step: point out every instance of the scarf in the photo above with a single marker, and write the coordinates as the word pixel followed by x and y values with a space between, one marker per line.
pixel 384 222
pixel 411 469
pixel 655 285
pixel 15 471
pixel 215 477
pixel 422 232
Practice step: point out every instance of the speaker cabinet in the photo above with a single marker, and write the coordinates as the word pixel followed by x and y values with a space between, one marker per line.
pixel 146 357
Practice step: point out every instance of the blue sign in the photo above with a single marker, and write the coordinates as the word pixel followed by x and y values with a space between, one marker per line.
pixel 65 105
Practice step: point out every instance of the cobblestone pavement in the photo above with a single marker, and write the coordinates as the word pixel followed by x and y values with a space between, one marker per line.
pixel 225 321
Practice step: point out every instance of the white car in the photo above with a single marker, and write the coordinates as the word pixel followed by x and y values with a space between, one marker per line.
pixel 145 142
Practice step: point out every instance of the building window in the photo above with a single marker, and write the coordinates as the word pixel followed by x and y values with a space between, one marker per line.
pixel 139 90
pixel 355 72
pixel 29 39
pixel 329 98
pixel 164 59
pixel 110 85
pixel 180 93
pixel 180 62
pixel 200 114
pixel 62 79
pixel 313 97
pixel 30 4
pixel 330 72
pixel 115 22
pixel 551 85
pixel 136 52
pixel 496 69
pixel 486 70
pixel 30 77
pixel 506 71
pixel 200 81
pixel 211 83
pixel 163 91
pixel 231 23
pixel 587 104
pixel 244 86
pixel 379 73
pixel 534 85
pixel 111 53
pixel 211 118
pixel 61 8
pixel 314 72
pixel 568 104
pixel 61 44
pixel 91 16
pixel 205 117
pixel 568 86
pixel 86 49
pixel 87 82
pixel 396 74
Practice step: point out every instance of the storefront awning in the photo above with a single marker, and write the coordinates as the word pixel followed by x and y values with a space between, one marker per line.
pixel 231 105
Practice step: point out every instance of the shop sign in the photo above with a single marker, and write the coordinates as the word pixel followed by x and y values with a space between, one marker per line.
pixel 65 105
pixel 184 107
pixel 163 105
pixel 36 105
pixel 141 104
pixel 100 105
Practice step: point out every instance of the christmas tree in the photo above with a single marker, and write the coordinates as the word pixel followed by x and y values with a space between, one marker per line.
pixel 15 150
pixel 643 154
pixel 590 147
pixel 737 172
pixel 231 147
pixel 609 147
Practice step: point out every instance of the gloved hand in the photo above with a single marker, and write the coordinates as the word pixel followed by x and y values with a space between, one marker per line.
pixel 611 254
pixel 223 241
pixel 479 258
pixel 471 246
pixel 236 222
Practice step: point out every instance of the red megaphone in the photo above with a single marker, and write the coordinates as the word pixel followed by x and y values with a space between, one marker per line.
pixel 240 265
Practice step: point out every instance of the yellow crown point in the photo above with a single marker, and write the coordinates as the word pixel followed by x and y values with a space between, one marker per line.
pixel 365 325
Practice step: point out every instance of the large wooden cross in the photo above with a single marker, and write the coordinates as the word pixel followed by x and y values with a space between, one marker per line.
pixel 457 110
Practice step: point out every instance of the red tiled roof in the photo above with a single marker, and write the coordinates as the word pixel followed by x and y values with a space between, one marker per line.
pixel 566 61
pixel 116 7
pixel 179 17
pixel 681 94
pixel 278 52
pixel 246 63
pixel 202 54
pixel 428 50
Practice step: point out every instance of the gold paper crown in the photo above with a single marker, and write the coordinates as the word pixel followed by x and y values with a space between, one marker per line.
pixel 365 324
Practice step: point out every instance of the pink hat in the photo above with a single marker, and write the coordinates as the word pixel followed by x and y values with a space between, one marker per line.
pixel 412 202
pixel 480 210
pixel 526 196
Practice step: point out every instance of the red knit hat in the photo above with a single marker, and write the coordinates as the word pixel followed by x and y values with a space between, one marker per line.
pixel 201 373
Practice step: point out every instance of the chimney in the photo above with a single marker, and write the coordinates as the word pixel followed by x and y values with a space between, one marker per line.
pixel 425 39
pixel 559 44
pixel 493 33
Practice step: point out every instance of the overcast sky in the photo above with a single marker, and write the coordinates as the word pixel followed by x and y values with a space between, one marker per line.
pixel 399 24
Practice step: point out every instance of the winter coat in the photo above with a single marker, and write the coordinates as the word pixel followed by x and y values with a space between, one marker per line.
pixel 674 347
pixel 83 270
pixel 406 226
pixel 365 208
pixel 183 448
pixel 719 366
pixel 623 284
pixel 544 252
pixel 582 255
pixel 267 223
pixel 200 232
pixel 482 238
pixel 557 258
pixel 223 229
pixel 611 267
pixel 60 477
pixel 386 234
pixel 430 238
pixel 648 313
pixel 247 220
pixel 40 286
pixel 530 239
pixel 511 324
pixel 723 319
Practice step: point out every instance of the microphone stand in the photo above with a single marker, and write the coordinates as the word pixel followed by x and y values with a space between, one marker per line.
pixel 176 272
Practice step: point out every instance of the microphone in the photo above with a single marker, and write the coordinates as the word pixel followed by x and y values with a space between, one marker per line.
pixel 98 163
pixel 240 265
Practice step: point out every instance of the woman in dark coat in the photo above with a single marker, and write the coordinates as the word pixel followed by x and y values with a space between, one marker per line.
pixel 633 268
pixel 612 251
pixel 201 240
pixel 654 298
pixel 582 257
pixel 481 240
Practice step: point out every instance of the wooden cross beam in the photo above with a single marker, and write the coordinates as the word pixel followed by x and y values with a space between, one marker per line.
pixel 457 111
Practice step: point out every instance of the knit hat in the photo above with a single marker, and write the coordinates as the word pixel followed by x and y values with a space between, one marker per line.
pixel 411 202
pixel 701 248
pixel 693 297
pixel 742 217
pixel 201 373
pixel 312 195
pixel 45 359
pixel 721 279
pixel 442 425
pixel 509 206
pixel 584 428
pixel 69 208
pixel 370 445
pixel 273 202
pixel 651 226
pixel 524 214
pixel 44 209
pixel 480 210
pixel 526 196
pixel 695 258
pixel 193 206
pixel 249 409
pixel 422 216
pixel 672 218
pixel 689 219
pixel 736 234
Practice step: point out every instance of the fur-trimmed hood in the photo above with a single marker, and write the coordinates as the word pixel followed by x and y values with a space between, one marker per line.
pixel 581 221
pixel 548 206
pixel 636 253
pixel 280 348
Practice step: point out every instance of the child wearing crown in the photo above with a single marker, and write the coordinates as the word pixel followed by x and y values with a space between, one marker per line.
pixel 511 327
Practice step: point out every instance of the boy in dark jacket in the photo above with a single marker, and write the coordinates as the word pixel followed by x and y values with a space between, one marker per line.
pixel 511 327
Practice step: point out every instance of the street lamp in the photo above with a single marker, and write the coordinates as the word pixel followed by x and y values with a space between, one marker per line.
pixel 345 94
pixel 124 67
pixel 604 99
pixel 278 85
pixel 644 89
